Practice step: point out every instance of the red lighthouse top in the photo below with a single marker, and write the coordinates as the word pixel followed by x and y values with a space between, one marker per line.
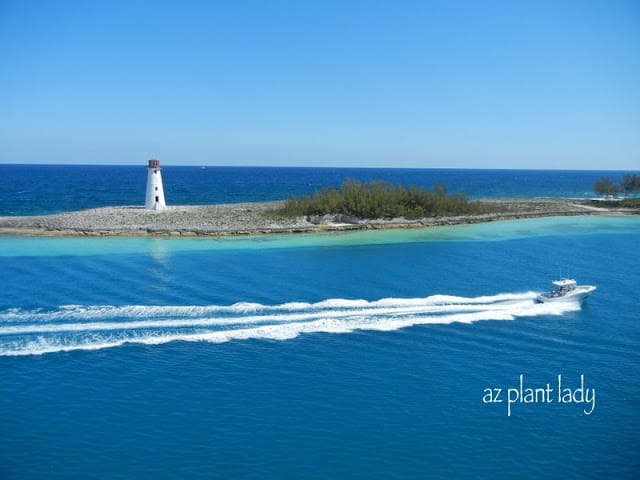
pixel 154 163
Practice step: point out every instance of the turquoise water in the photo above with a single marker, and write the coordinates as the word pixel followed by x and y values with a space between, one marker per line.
pixel 352 355
pixel 493 231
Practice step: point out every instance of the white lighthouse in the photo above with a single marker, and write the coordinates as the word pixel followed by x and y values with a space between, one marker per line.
pixel 155 192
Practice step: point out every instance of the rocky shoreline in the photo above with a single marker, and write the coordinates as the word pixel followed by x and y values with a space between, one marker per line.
pixel 262 218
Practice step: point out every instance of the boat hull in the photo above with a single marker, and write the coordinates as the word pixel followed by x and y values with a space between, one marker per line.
pixel 578 294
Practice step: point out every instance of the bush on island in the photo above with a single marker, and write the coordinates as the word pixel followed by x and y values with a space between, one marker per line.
pixel 381 199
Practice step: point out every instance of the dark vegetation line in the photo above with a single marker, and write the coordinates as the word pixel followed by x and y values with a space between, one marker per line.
pixel 381 199
pixel 627 185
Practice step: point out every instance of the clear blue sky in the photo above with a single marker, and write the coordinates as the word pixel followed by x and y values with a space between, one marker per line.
pixel 478 84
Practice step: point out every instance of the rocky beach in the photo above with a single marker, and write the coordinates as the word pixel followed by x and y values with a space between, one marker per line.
pixel 263 218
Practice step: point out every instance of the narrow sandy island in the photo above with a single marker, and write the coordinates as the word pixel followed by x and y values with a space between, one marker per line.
pixel 261 218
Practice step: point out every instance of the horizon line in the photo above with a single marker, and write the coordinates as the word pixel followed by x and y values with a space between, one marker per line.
pixel 144 165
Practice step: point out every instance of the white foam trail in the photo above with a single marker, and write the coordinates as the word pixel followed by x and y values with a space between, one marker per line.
pixel 279 318
pixel 82 312
pixel 24 332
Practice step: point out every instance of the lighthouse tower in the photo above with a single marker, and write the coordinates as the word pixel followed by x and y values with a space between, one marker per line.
pixel 155 192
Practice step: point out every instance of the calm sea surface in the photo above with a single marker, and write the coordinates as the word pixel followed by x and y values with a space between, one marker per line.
pixel 354 355
pixel 31 190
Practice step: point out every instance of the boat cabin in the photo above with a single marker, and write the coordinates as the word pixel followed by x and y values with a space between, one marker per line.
pixel 564 286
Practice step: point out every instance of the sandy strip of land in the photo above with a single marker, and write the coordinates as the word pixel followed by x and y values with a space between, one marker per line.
pixel 261 218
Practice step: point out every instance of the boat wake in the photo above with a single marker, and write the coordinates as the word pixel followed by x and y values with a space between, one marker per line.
pixel 94 327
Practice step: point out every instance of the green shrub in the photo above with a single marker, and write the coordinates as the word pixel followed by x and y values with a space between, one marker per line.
pixel 628 185
pixel 380 199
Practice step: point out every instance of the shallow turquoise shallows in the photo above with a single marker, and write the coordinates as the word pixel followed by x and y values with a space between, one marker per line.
pixel 393 354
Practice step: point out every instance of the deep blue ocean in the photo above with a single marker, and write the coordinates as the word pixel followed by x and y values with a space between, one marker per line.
pixel 354 355
pixel 31 190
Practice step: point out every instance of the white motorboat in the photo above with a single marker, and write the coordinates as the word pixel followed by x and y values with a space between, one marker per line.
pixel 566 290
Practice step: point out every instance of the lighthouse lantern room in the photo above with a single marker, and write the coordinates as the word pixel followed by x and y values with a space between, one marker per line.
pixel 155 193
